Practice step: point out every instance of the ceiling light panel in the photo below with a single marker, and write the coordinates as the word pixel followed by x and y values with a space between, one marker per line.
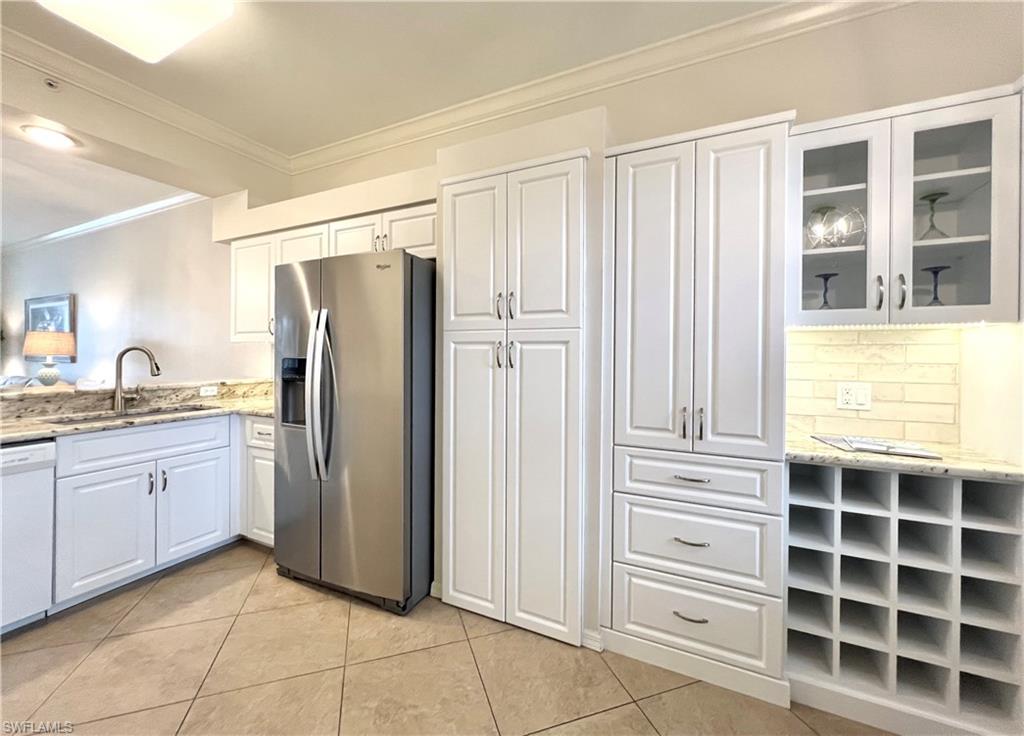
pixel 48 137
pixel 148 29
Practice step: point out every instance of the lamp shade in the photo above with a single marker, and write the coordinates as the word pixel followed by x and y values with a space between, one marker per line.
pixel 50 343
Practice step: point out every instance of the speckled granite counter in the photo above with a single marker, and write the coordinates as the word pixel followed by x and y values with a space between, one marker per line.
pixel 30 415
pixel 955 461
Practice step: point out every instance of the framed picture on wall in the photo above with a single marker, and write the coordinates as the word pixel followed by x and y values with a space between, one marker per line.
pixel 50 314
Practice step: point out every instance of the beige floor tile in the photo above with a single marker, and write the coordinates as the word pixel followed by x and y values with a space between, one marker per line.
pixel 162 721
pixel 86 622
pixel 641 679
pixel 29 678
pixel 433 691
pixel 276 591
pixel 829 724
pixel 626 720
pixel 230 558
pixel 279 643
pixel 705 710
pixel 185 599
pixel 300 705
pixel 481 625
pixel 534 682
pixel 374 633
pixel 128 673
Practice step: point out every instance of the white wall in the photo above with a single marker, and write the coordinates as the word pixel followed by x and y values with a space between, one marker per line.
pixel 158 281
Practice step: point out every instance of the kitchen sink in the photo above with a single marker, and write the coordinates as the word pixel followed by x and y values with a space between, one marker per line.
pixel 130 414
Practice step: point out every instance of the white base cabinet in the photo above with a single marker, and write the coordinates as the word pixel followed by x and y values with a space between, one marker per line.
pixel 258 481
pixel 192 506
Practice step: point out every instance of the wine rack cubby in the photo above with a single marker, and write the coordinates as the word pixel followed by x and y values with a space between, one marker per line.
pixel 905 589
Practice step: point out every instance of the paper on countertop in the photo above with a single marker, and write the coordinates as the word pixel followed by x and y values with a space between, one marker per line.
pixel 850 443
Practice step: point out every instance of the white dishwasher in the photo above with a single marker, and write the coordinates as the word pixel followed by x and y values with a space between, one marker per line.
pixel 26 518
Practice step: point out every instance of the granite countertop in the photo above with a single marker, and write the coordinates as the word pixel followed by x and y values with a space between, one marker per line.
pixel 955 461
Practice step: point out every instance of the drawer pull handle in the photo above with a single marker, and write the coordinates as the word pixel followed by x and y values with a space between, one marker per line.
pixel 691 620
pixel 263 434
pixel 689 479
pixel 689 543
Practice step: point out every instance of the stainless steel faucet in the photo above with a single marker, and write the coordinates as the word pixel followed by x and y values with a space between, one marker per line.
pixel 154 370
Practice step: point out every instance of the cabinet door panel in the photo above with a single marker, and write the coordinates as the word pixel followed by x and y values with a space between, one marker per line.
pixel 545 213
pixel 654 297
pixel 955 213
pixel 259 500
pixel 252 289
pixel 543 492
pixel 412 229
pixel 473 473
pixel 474 254
pixel 105 529
pixel 739 339
pixel 26 525
pixel 302 244
pixel 192 504
pixel 355 235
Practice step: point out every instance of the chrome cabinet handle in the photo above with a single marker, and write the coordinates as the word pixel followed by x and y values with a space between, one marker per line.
pixel 270 325
pixel 690 479
pixel 384 243
pixel 499 305
pixel 511 362
pixel 152 484
pixel 880 291
pixel 700 423
pixel 497 354
pixel 903 291
pixel 511 305
pixel 687 618
pixel 376 244
pixel 163 481
pixel 686 419
pixel 691 544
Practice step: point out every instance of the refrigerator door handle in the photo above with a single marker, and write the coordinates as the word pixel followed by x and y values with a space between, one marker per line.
pixel 318 377
pixel 314 325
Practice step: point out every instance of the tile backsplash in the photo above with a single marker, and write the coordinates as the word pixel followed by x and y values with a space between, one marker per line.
pixel 914 375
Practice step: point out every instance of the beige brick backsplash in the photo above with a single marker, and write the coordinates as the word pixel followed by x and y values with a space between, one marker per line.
pixel 907 373
pixel 899 411
pixel 941 336
pixel 937 433
pixel 870 354
pixel 822 371
pixel 863 427
pixel 933 354
pixel 931 393
pixel 800 388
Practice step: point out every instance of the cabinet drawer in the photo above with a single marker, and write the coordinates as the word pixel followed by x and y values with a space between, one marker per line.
pixel 259 432
pixel 736 627
pixel 748 485
pixel 87 453
pixel 718 545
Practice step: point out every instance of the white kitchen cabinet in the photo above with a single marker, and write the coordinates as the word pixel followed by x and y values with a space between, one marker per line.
pixel 192 504
pixel 105 528
pixel 259 503
pixel 302 244
pixel 473 472
pixel 474 254
pixel 355 235
pixel 252 288
pixel 411 228
pixel 739 285
pixel 654 298
pixel 543 481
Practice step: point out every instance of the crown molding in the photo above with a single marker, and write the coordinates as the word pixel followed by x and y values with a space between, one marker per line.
pixel 766 26
pixel 69 70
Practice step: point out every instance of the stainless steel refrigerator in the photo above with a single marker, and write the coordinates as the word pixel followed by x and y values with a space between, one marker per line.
pixel 354 416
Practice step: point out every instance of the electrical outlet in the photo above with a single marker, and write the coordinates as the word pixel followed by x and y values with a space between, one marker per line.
pixel 207 390
pixel 854 396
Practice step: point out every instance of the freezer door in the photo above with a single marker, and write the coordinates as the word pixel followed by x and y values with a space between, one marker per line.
pixel 366 501
pixel 296 487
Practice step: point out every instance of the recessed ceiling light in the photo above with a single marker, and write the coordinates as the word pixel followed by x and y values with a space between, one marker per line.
pixel 48 137
pixel 149 30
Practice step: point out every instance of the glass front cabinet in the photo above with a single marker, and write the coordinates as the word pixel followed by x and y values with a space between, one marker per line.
pixel 910 219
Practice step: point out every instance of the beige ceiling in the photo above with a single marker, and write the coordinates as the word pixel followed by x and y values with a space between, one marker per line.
pixel 296 76
pixel 45 191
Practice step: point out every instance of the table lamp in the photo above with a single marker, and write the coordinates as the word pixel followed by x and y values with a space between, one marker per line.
pixel 49 344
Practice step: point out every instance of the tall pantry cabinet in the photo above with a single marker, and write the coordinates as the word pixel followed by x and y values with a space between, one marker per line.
pixel 512 393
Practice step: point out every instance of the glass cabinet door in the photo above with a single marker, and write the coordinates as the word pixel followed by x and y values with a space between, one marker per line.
pixel 956 204
pixel 839 225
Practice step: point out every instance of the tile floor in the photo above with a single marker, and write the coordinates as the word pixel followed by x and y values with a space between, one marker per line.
pixel 226 646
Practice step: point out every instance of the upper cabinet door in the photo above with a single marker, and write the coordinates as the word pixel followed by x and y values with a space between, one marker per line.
pixel 355 235
pixel 302 244
pixel 739 339
pixel 473 472
pixel 654 298
pixel 412 229
pixel 192 503
pixel 475 297
pixel 956 209
pixel 252 289
pixel 543 506
pixel 838 241
pixel 545 225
